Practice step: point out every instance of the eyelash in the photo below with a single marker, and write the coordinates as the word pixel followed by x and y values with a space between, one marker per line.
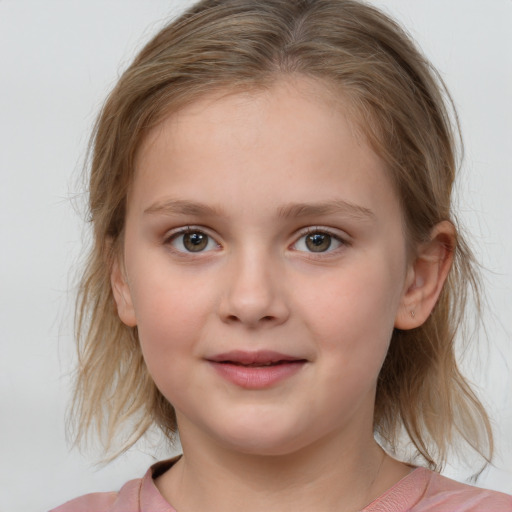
pixel 191 230
pixel 322 231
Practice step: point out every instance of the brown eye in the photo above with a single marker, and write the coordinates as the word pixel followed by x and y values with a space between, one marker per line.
pixel 193 241
pixel 318 242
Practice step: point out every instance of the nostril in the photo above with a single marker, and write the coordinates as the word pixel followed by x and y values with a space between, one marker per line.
pixel 266 318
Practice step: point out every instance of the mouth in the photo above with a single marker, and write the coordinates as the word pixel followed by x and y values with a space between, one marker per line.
pixel 261 358
pixel 257 365
pixel 256 370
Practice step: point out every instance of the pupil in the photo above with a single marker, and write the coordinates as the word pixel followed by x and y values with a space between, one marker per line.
pixel 318 242
pixel 195 242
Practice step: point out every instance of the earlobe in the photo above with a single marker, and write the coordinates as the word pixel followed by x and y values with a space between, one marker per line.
pixel 122 294
pixel 426 277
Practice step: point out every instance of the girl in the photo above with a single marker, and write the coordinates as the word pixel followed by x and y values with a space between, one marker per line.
pixel 276 272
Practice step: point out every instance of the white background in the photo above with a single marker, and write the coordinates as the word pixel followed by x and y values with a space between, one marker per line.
pixel 58 59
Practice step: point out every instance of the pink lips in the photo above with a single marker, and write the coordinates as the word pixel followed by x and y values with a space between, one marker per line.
pixel 256 370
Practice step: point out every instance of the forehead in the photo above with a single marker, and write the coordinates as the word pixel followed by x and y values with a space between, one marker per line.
pixel 296 136
pixel 225 101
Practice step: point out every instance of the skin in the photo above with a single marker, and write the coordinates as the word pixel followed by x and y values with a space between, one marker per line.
pixel 305 443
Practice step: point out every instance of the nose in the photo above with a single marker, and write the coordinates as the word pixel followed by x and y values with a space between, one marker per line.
pixel 253 292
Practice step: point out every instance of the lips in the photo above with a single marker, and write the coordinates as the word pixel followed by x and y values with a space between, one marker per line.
pixel 256 370
pixel 259 358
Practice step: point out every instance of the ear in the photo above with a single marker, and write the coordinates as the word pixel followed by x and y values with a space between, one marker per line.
pixel 426 276
pixel 122 293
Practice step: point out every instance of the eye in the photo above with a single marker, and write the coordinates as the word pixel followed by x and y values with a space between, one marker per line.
pixel 317 241
pixel 192 240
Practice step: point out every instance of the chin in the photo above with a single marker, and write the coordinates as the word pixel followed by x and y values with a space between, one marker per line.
pixel 262 441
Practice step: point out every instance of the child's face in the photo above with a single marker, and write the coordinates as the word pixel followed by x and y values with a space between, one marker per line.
pixel 260 229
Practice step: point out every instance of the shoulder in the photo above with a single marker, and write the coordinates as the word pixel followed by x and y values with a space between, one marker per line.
pixel 425 491
pixel 134 495
pixel 127 500
pixel 443 493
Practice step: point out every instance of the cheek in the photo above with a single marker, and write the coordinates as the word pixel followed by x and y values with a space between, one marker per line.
pixel 355 298
pixel 352 314
pixel 171 319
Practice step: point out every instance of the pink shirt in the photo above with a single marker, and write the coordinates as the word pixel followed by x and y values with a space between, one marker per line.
pixel 420 491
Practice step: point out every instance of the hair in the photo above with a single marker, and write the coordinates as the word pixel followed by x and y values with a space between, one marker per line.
pixel 400 104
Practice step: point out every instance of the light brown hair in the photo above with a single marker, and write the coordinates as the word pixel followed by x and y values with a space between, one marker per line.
pixel 399 102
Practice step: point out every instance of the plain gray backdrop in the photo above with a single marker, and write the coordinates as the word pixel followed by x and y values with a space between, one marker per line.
pixel 58 60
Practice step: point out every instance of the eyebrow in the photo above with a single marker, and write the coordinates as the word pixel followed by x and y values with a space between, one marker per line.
pixel 337 206
pixel 183 207
pixel 291 210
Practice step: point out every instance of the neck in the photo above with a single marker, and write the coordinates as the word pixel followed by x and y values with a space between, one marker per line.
pixel 330 476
